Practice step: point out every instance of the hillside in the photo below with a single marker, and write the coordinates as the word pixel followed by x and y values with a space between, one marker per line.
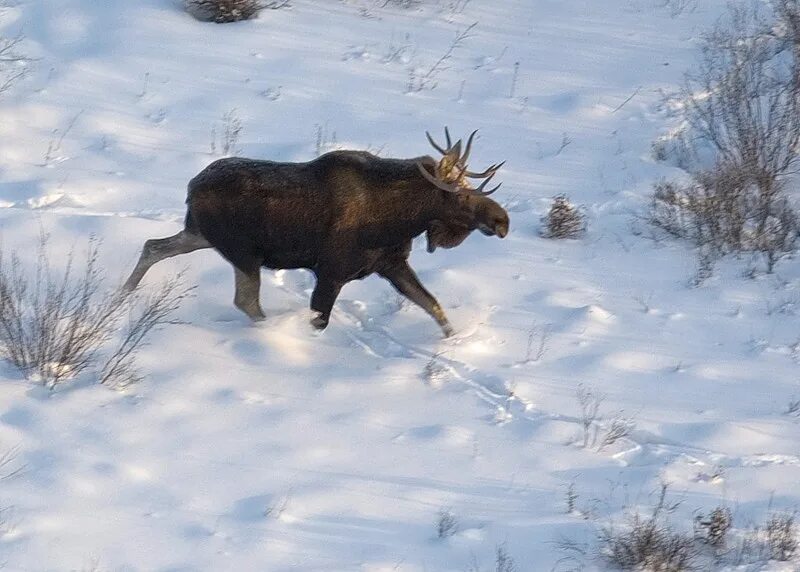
pixel 271 447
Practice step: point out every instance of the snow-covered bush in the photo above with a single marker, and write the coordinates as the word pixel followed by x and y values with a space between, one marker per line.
pixel 563 220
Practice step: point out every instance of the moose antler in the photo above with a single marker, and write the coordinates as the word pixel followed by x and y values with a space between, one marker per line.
pixel 450 173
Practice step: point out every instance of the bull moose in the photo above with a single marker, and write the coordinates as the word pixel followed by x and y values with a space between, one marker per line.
pixel 344 216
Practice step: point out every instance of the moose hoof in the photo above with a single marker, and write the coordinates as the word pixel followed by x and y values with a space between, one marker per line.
pixel 448 331
pixel 319 323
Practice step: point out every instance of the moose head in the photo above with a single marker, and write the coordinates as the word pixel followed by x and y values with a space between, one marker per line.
pixel 451 174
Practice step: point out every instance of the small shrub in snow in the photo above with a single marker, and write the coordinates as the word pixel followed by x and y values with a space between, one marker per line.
pixel 571 498
pixel 564 220
pixel 617 428
pixel 52 325
pixel 13 65
pixel 782 536
pixel 648 542
pixel 148 312
pixel 713 528
pixel 722 211
pixel 776 539
pixel 223 11
pixel 589 403
pixel 446 524
pixel 423 79
pixel 503 561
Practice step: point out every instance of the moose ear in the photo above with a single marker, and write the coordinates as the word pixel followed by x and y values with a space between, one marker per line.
pixel 446 236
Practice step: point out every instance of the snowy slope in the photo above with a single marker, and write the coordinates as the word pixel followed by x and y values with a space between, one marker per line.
pixel 269 447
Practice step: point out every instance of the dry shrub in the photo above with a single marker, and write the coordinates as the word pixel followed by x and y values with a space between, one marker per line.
pixel 648 542
pixel 782 536
pixel 446 524
pixel 223 11
pixel 742 109
pixel 563 220
pixel 713 528
pixel 53 325
pixel 776 539
pixel 723 210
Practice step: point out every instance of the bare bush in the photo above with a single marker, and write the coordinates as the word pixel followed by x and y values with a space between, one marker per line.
pixel 149 312
pixel 722 211
pixel 223 11
pixel 742 108
pixel 776 539
pixel 713 528
pixel 563 220
pixel 618 427
pixel 53 324
pixel 648 542
pixel 428 78
pixel 446 524
pixel 571 498
pixel 503 562
pixel 782 536
pixel 589 403
pixel 597 429
pixel 13 64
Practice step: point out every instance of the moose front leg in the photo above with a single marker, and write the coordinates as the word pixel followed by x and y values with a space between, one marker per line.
pixel 405 281
pixel 322 299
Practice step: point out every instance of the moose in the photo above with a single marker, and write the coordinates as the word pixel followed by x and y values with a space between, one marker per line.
pixel 344 216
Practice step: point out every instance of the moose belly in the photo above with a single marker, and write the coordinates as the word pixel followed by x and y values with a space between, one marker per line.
pixel 289 260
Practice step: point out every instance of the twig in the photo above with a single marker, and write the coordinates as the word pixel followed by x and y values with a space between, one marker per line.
pixel 428 79
pixel 624 103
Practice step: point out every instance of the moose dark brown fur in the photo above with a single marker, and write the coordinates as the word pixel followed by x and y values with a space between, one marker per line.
pixel 344 216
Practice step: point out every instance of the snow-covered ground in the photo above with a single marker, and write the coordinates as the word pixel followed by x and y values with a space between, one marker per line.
pixel 270 447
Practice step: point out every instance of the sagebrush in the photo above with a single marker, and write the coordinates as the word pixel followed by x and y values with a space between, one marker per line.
pixel 741 107
pixel 563 220
pixel 223 11
pixel 54 324
pixel 648 542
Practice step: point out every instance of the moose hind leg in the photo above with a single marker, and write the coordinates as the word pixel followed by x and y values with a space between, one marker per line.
pixel 405 281
pixel 248 288
pixel 157 249
pixel 322 299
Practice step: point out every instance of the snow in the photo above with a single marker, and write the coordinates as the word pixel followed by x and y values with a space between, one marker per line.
pixel 270 447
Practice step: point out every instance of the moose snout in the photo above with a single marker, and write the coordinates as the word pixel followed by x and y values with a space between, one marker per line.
pixel 495 228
